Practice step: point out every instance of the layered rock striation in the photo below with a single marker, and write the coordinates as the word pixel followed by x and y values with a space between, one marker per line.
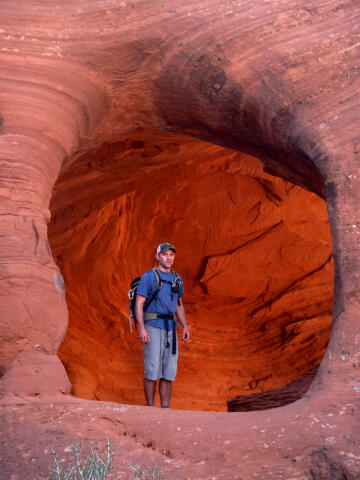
pixel 277 81
pixel 274 398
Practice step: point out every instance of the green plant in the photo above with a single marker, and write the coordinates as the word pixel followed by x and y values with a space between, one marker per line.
pixel 94 466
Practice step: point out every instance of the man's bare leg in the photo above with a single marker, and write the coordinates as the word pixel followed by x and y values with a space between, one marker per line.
pixel 165 387
pixel 149 390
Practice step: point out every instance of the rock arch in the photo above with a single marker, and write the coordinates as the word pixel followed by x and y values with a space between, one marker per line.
pixel 254 251
pixel 277 82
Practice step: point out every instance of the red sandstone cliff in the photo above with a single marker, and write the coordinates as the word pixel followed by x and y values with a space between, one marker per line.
pixel 274 80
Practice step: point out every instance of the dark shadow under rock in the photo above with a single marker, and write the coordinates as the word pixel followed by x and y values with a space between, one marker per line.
pixel 277 397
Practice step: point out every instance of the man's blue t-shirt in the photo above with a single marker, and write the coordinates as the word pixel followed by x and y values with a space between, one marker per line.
pixel 164 302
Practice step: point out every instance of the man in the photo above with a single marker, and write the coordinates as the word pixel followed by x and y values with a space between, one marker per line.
pixel 154 311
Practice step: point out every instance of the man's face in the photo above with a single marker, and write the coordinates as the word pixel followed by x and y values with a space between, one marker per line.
pixel 166 259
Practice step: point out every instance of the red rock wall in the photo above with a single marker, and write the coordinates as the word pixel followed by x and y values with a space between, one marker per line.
pixel 254 250
pixel 278 85
pixel 278 81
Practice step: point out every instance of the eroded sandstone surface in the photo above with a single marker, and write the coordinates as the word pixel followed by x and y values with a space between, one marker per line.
pixel 254 250
pixel 276 397
pixel 274 80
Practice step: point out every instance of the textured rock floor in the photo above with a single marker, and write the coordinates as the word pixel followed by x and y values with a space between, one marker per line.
pixel 292 442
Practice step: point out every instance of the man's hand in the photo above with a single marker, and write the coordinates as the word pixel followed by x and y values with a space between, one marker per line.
pixel 186 333
pixel 180 313
pixel 143 335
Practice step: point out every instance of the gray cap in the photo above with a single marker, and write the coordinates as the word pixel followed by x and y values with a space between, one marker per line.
pixel 165 246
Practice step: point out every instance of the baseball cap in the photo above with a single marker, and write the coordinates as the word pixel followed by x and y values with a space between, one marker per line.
pixel 165 246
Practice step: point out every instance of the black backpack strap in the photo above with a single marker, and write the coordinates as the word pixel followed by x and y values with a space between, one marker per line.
pixel 178 281
pixel 158 286
pixel 176 277
pixel 158 278
pixel 174 340
pixel 166 321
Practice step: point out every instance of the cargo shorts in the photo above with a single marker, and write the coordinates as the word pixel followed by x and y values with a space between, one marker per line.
pixel 159 362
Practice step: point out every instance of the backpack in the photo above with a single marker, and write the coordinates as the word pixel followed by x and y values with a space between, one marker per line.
pixel 133 290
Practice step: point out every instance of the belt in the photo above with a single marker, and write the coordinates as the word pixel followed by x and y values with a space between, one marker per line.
pixel 166 318
pixel 155 316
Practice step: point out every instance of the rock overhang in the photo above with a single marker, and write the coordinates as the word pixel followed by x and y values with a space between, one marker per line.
pixel 312 62
pixel 254 250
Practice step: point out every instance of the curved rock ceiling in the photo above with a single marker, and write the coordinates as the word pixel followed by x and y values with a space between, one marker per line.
pixel 254 250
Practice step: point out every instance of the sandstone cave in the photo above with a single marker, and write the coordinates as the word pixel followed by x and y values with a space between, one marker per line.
pixel 255 252
pixel 86 87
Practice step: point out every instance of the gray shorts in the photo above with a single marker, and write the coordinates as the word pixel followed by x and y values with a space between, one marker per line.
pixel 158 360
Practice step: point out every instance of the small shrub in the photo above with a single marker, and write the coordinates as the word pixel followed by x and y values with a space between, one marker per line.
pixel 94 466
pixel 146 473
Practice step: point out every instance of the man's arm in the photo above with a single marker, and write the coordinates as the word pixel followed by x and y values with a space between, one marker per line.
pixel 139 314
pixel 180 314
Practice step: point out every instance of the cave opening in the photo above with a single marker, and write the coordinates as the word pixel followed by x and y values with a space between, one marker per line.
pixel 254 250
